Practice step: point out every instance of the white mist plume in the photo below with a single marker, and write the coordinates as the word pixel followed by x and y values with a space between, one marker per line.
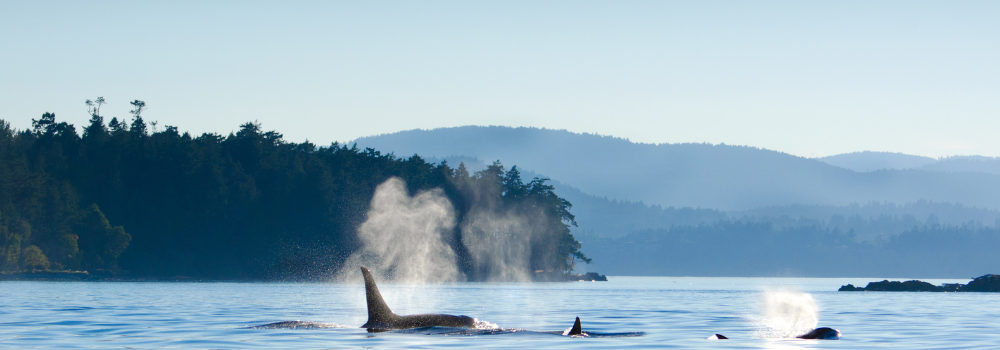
pixel 402 239
pixel 499 245
pixel 787 313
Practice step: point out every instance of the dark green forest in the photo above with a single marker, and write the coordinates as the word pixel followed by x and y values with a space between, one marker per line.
pixel 126 199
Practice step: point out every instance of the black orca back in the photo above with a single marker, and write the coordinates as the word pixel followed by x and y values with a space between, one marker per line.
pixel 822 333
pixel 381 318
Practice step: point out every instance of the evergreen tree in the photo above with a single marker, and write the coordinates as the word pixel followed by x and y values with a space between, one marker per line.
pixel 34 259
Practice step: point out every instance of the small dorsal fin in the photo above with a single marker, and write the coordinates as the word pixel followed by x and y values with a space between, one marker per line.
pixel 378 311
pixel 577 329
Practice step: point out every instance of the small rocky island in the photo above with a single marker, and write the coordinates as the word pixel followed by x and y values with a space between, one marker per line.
pixel 986 283
pixel 559 276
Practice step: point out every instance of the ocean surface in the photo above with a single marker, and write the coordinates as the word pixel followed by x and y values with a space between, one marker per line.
pixel 659 312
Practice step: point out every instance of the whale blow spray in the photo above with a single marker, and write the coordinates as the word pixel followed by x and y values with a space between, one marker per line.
pixel 787 313
pixel 403 237
pixel 410 239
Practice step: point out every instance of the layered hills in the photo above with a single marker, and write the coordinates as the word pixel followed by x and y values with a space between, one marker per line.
pixel 871 161
pixel 722 210
pixel 723 177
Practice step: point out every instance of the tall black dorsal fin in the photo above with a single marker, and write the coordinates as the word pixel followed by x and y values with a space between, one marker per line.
pixel 577 329
pixel 378 311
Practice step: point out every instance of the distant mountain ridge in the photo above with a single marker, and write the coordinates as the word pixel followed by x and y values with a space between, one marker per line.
pixel 897 222
pixel 602 217
pixel 870 161
pixel 867 161
pixel 989 165
pixel 689 175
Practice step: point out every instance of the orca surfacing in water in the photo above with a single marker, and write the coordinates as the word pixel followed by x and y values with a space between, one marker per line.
pixel 381 318
pixel 577 328
pixel 818 333
pixel 822 333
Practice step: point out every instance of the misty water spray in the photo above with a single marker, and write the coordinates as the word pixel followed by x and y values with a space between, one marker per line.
pixel 787 313
pixel 403 237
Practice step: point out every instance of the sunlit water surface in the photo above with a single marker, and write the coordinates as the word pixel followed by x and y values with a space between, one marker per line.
pixel 671 311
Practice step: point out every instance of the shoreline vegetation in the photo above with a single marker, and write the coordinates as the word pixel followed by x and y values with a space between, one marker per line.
pixel 985 283
pixel 137 200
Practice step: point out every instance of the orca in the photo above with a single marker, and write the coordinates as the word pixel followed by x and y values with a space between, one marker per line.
pixel 577 331
pixel 822 333
pixel 577 328
pixel 818 333
pixel 381 318
pixel 573 332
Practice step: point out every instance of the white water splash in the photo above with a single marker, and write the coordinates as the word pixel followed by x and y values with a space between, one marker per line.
pixel 486 325
pixel 786 313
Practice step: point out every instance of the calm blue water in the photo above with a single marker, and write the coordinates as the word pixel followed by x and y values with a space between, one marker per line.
pixel 673 312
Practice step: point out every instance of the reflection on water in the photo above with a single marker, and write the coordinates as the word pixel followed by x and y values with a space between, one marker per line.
pixel 297 325
pixel 450 331
pixel 678 312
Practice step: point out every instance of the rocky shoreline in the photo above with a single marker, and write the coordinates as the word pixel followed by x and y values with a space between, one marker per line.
pixel 558 276
pixel 985 283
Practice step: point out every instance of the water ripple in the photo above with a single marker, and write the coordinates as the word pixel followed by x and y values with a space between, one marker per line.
pixel 672 312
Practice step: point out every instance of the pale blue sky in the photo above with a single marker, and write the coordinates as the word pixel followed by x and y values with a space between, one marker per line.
pixel 808 78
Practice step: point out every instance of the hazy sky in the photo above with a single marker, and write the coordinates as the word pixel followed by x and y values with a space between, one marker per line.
pixel 809 78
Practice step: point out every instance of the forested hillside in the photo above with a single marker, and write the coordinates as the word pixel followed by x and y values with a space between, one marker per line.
pixel 601 217
pixel 122 199
pixel 722 177
pixel 872 161
pixel 130 200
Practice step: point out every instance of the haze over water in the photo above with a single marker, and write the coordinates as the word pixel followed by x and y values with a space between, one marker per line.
pixel 672 311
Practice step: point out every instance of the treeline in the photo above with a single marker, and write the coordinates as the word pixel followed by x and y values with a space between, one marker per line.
pixel 738 248
pixel 873 220
pixel 42 224
pixel 124 198
pixel 603 218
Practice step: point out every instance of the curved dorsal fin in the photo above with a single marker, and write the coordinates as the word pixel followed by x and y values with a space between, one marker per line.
pixel 378 311
pixel 577 329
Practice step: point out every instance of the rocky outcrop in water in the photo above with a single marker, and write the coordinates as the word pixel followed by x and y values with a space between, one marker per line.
pixel 558 276
pixel 986 283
